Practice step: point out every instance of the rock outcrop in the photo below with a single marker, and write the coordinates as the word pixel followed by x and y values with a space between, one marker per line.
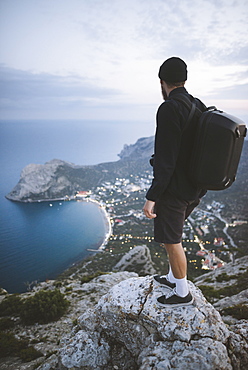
pixel 128 330
pixel 231 280
pixel 143 148
pixel 137 259
pixel 47 337
pixel 231 270
pixel 43 181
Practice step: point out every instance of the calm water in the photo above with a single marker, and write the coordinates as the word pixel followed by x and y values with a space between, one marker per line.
pixel 40 240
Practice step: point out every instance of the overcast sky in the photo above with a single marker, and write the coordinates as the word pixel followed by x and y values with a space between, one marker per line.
pixel 99 59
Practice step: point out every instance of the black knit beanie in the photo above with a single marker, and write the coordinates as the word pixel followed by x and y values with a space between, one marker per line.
pixel 173 70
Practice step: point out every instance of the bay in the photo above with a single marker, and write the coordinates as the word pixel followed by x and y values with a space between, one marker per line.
pixel 39 240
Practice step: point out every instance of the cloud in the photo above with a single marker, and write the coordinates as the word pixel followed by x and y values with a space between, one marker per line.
pixel 40 94
pixel 211 30
pixel 26 95
pixel 233 93
pixel 19 85
pixel 212 80
pixel 73 53
pixel 91 36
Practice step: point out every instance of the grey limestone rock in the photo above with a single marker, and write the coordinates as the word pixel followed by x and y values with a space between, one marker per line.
pixel 139 255
pixel 240 298
pixel 143 148
pixel 87 349
pixel 233 270
pixel 201 354
pixel 128 321
pixel 41 181
pixel 238 344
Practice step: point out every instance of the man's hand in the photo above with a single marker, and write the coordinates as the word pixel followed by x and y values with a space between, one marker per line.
pixel 149 209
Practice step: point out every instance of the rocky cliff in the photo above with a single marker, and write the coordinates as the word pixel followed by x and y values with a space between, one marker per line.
pixel 227 289
pixel 48 181
pixel 127 330
pixel 143 148
pixel 114 322
pixel 137 259
pixel 44 181
pixel 57 179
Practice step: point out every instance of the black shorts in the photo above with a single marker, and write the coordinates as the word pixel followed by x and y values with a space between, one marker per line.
pixel 171 214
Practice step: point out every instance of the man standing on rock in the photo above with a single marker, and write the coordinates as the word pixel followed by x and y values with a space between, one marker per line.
pixel 172 197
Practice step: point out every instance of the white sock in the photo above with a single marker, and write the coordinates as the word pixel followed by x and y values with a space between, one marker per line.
pixel 182 288
pixel 170 276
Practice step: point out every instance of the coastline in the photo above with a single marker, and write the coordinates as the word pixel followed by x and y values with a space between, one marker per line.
pixel 70 270
pixel 108 225
pixel 102 208
pixel 97 247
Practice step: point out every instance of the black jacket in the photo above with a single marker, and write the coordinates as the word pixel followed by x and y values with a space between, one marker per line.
pixel 173 150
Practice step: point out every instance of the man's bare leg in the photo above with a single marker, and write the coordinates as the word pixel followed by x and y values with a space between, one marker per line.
pixel 178 265
pixel 177 259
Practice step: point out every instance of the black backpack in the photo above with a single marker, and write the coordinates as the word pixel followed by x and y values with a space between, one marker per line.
pixel 217 146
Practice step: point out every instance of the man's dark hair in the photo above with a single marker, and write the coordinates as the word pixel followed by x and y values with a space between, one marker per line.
pixel 175 84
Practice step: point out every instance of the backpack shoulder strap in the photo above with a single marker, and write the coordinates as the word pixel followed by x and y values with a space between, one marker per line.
pixel 190 103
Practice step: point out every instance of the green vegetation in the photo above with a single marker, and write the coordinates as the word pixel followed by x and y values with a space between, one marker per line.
pixel 6 323
pixel 29 354
pixel 210 293
pixel 87 278
pixel 11 305
pixel 75 322
pixel 208 280
pixel 44 307
pixel 240 311
pixel 58 284
pixel 225 277
pixel 11 346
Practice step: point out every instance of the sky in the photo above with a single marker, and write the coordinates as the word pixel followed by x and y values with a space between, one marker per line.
pixel 99 59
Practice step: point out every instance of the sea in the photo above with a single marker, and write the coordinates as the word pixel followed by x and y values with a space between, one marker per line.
pixel 38 241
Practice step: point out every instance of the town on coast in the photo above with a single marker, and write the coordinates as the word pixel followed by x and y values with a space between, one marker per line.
pixel 205 239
